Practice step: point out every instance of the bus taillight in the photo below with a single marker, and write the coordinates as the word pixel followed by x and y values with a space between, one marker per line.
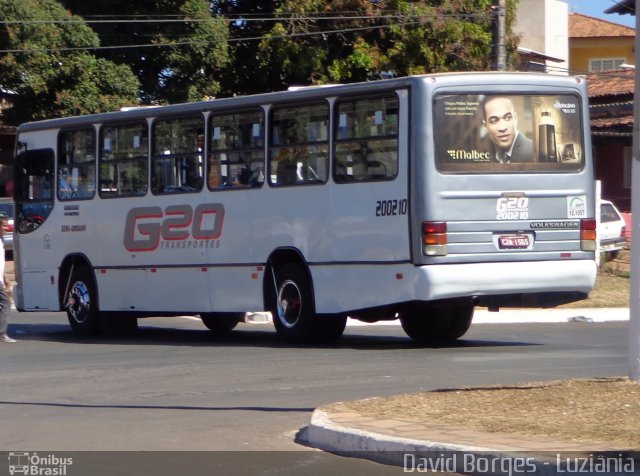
pixel 588 234
pixel 434 238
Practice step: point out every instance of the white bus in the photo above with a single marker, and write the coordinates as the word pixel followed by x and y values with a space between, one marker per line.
pixel 414 198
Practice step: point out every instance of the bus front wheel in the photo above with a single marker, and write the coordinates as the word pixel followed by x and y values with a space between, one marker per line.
pixel 434 324
pixel 293 311
pixel 81 303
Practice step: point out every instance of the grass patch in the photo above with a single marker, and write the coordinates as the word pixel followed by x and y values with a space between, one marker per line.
pixel 612 284
pixel 610 291
pixel 601 411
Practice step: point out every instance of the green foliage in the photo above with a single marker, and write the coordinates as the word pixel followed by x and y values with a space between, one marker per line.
pixel 249 21
pixel 188 65
pixel 316 42
pixel 51 79
pixel 227 47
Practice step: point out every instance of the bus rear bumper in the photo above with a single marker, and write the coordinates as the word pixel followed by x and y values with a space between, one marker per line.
pixel 513 284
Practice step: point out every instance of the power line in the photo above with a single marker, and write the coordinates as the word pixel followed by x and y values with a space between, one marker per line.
pixel 574 72
pixel 200 43
pixel 247 18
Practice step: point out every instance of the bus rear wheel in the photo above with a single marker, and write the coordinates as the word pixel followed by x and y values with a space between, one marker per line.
pixel 221 322
pixel 81 303
pixel 436 324
pixel 293 311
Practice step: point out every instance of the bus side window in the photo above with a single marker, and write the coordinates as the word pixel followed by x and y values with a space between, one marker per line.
pixel 366 145
pixel 76 164
pixel 299 144
pixel 236 156
pixel 177 163
pixel 123 160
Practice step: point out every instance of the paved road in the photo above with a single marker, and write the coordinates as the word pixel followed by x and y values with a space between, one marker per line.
pixel 175 386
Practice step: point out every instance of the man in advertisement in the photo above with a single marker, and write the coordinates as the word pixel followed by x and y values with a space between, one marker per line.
pixel 501 122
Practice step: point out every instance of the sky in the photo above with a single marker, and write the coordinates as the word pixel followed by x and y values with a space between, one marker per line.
pixel 596 8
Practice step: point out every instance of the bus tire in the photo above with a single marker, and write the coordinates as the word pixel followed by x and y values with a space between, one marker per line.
pixel 331 327
pixel 117 324
pixel 221 322
pixel 293 309
pixel 463 315
pixel 81 303
pixel 436 324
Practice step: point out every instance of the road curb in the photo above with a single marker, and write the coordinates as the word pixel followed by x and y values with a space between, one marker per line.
pixel 325 434
pixel 433 456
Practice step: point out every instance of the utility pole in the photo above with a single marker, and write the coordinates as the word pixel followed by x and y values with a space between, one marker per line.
pixel 499 34
pixel 634 304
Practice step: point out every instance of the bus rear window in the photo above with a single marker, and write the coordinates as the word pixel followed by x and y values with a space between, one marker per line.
pixel 477 133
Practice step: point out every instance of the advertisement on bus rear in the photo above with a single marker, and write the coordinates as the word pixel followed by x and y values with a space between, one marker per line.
pixel 495 133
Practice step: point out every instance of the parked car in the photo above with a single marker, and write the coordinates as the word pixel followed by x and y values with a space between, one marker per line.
pixel 7 211
pixel 611 230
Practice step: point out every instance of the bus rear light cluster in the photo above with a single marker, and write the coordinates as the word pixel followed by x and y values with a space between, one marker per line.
pixel 588 234
pixel 434 238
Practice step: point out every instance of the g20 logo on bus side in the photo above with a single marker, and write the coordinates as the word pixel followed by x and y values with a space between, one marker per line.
pixel 177 226
pixel 512 208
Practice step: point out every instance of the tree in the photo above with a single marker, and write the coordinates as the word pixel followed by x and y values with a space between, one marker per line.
pixel 247 21
pixel 176 48
pixel 39 62
pixel 317 41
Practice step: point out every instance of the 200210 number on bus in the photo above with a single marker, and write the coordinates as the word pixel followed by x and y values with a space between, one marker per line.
pixel 385 208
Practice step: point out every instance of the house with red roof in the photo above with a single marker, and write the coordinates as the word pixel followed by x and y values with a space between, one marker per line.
pixel 611 111
pixel 604 52
pixel 597 45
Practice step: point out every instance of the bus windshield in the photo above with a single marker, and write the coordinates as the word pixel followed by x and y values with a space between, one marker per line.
pixel 508 133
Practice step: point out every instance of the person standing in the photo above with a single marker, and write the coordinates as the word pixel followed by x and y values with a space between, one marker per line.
pixel 5 302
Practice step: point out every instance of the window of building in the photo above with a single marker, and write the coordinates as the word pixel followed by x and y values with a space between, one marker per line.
pixel 605 64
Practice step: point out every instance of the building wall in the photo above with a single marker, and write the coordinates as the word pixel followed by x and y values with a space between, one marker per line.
pixel 608 154
pixel 543 27
pixel 583 49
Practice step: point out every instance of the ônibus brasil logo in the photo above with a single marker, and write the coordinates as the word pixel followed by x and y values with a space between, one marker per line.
pixel 24 462
pixel 147 228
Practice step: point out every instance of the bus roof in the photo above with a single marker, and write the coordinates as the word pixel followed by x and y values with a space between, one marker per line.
pixel 479 79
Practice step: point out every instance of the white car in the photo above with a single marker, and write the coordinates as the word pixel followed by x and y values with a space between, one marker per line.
pixel 611 230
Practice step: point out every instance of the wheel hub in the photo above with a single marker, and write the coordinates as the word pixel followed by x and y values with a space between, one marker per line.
pixel 289 303
pixel 79 302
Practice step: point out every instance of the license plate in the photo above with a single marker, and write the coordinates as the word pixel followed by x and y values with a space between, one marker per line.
pixel 514 242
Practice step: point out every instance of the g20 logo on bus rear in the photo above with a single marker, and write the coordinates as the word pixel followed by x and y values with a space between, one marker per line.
pixel 512 208
pixel 177 226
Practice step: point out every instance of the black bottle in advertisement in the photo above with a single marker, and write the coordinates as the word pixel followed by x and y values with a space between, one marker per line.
pixel 547 139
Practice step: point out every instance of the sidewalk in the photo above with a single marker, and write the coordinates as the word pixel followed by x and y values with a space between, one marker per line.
pixel 418 446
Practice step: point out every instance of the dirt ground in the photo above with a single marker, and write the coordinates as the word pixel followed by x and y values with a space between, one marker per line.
pixel 603 410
